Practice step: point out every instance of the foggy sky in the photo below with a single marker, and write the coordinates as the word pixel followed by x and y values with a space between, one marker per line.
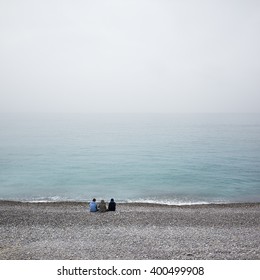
pixel 130 56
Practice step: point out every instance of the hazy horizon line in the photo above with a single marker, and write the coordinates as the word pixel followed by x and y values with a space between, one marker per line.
pixel 128 113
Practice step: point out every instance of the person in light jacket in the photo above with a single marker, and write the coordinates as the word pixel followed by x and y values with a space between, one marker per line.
pixel 93 206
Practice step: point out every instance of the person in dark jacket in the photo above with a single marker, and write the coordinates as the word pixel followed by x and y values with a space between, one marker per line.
pixel 112 205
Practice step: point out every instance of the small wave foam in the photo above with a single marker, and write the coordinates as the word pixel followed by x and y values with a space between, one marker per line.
pixel 169 202
pixel 50 199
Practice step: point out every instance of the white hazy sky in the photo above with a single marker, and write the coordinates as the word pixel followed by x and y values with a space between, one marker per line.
pixel 130 56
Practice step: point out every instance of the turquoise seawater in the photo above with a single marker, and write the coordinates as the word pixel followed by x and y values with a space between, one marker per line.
pixel 163 158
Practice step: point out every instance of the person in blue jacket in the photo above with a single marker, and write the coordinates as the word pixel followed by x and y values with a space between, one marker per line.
pixel 93 206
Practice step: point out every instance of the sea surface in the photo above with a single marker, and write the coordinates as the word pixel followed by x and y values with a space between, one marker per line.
pixel 158 158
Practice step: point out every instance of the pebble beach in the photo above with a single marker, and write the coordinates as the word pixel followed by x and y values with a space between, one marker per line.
pixel 67 230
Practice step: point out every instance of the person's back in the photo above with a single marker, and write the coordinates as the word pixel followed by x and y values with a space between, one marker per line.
pixel 102 206
pixel 112 205
pixel 93 206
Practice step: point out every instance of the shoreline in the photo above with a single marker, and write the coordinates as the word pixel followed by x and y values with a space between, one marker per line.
pixel 148 204
pixel 67 230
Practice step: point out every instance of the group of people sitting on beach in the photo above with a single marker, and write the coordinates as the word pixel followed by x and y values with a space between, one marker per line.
pixel 102 207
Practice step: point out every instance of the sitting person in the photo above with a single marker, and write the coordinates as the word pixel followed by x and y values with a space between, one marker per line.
pixel 112 205
pixel 102 206
pixel 93 206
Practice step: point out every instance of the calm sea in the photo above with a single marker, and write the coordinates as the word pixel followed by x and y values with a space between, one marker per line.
pixel 173 159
